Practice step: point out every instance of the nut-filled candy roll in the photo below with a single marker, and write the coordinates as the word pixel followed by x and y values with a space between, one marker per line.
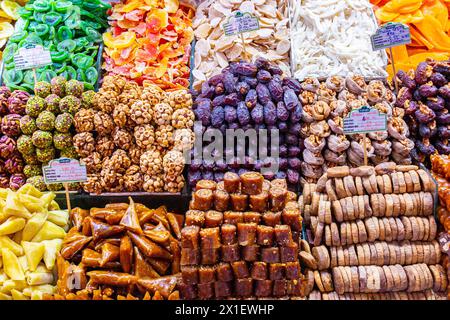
pixel 251 183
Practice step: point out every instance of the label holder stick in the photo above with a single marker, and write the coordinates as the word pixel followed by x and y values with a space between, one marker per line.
pixel 243 45
pixel 66 188
pixel 365 150
pixel 35 76
pixel 394 76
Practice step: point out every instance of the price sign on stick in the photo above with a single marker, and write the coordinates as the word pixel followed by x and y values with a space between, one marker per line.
pixel 32 57
pixel 365 120
pixel 65 171
pixel 240 23
pixel 391 34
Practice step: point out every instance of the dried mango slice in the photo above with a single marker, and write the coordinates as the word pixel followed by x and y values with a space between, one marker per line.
pixel 10 8
pixel 6 30
pixel 124 40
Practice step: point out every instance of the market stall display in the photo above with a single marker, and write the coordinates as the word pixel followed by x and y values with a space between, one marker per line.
pixel 251 96
pixel 327 103
pixel 150 40
pixel 214 50
pixel 123 251
pixel 70 30
pixel 333 39
pixel 31 231
pixel 134 137
pixel 428 22
pixel 241 239
pixel 425 95
pixel 373 231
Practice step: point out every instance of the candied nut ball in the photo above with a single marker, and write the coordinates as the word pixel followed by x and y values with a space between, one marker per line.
pixel 122 138
pixel 173 163
pixel 183 118
pixel 113 83
pixel 153 183
pixel 164 136
pixel 84 120
pixel 162 114
pixel 121 115
pixel 119 161
pixel 152 93
pixel 180 99
pixel 105 100
pixel 103 123
pixel 141 112
pixel 104 146
pixel 130 93
pixel 175 186
pixel 93 162
pixel 133 179
pixel 84 143
pixel 135 152
pixel 144 136
pixel 111 181
pixel 183 139
pixel 151 162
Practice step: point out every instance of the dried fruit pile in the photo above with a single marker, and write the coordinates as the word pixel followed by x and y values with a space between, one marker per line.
pixel 374 234
pixel 123 251
pixel 46 125
pixel 134 137
pixel 428 22
pixel 71 30
pixel 326 104
pixel 31 231
pixel 150 40
pixel 8 16
pixel 214 50
pixel 333 38
pixel 251 96
pixel 241 239
pixel 12 106
pixel 425 97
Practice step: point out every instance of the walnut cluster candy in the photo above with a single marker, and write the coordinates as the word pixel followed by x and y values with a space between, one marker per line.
pixel 139 126
pixel 122 251
pixel 373 231
pixel 236 252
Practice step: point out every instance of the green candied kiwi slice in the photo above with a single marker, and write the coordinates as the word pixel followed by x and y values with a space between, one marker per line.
pixel 22 23
pixel 38 16
pixel 41 5
pixel 67 45
pixel 8 53
pixel 81 76
pixel 73 21
pixel 62 6
pixel 42 29
pixel 93 35
pixel 12 76
pixel 52 18
pixel 10 65
pixel 47 75
pixel 18 36
pixel 82 60
pixel 16 87
pixel 24 13
pixel 69 73
pixel 59 56
pixel 88 86
pixel 28 77
pixel 64 33
pixel 59 67
pixel 82 43
pixel 91 75
pixel 26 87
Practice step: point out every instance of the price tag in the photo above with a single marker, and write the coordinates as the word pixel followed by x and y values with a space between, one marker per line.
pixel 240 22
pixel 32 57
pixel 64 170
pixel 444 241
pixel 365 120
pixel 390 35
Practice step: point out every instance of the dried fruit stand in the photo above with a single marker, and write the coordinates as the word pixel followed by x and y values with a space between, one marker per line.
pixel 139 91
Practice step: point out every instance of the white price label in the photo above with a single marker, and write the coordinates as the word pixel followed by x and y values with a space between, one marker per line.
pixel 240 22
pixel 64 170
pixel 32 56
pixel 390 35
pixel 365 120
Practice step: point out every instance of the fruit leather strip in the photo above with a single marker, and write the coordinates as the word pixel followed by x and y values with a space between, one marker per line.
pixel 210 238
pixel 276 271
pixel 206 274
pixel 246 233
pixel 251 183
pixel 164 285
pixel 224 272
pixel 264 235
pixel 161 266
pixel 231 182
pixel 289 253
pixel 77 216
pixel 293 287
pixel 190 237
pixel 283 235
pixel 250 253
pixel 174 225
pixel 190 257
pixel 221 200
pixel 92 259
pixel 222 289
pixel 239 201
pixel 205 184
pixel 272 218
pixel 210 256
pixel 243 287
pixel 189 274
pixel 187 292
pixel 259 270
pixel 258 202
pixel 202 200
pixel 213 219
pixel 292 218
pixel 270 255
pixel 240 269
pixel 230 253
pixel 149 248
pixel 279 288
pixel 111 278
pixel 126 253
pixel 229 234
pixel 293 270
pixel 263 288
pixel 277 198
pixel 233 217
pixel 205 290
pixel 195 218
pixel 251 216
